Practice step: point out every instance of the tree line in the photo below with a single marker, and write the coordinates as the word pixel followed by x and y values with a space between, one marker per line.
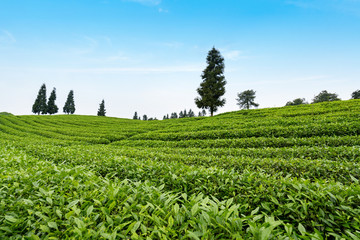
pixel 41 106
pixel 174 115
pixel 210 91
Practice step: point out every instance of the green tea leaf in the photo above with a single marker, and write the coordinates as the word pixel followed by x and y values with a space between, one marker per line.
pixel 11 218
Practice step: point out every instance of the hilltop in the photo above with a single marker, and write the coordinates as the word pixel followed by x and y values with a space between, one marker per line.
pixel 6 114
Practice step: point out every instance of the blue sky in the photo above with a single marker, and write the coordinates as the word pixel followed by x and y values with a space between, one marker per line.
pixel 148 55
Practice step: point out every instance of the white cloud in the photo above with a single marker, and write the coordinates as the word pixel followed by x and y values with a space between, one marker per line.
pixel 131 70
pixel 139 70
pixel 233 55
pixel 7 37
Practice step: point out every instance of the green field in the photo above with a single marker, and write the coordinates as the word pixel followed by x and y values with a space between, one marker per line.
pixel 277 173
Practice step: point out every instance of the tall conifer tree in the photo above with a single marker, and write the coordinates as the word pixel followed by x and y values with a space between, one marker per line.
pixel 69 107
pixel 40 103
pixel 212 88
pixel 102 111
pixel 51 106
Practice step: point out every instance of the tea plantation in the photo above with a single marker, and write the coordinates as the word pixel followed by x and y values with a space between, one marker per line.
pixel 277 173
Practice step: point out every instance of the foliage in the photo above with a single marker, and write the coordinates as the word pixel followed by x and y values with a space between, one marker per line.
pixel 51 106
pixel 101 111
pixel 212 88
pixel 246 99
pixel 191 113
pixel 135 117
pixel 297 101
pixel 355 94
pixel 174 115
pixel 69 106
pixel 40 103
pixel 325 96
pixel 145 118
pixel 277 173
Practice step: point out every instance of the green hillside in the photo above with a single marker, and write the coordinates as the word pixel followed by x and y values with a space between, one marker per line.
pixel 6 113
pixel 277 173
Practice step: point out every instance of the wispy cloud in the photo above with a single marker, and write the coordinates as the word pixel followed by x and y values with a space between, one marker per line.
pixel 314 78
pixel 146 2
pixel 130 70
pixel 138 70
pixel 108 59
pixel 233 55
pixel 7 37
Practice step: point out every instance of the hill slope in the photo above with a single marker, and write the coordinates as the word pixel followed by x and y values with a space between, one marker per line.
pixel 278 173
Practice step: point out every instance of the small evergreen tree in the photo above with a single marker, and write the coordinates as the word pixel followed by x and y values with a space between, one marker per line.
pixel 185 113
pixel 325 96
pixel 174 115
pixel 191 113
pixel 167 116
pixel 135 117
pixel 203 112
pixel 212 88
pixel 102 111
pixel 355 95
pixel 181 114
pixel 51 106
pixel 199 114
pixel 40 103
pixel 246 99
pixel 145 118
pixel 297 101
pixel 69 106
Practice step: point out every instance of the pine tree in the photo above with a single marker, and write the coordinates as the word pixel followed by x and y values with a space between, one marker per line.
pixel 145 118
pixel 40 103
pixel 246 99
pixel 203 113
pixel 212 87
pixel 102 111
pixel 181 114
pixel 51 106
pixel 191 113
pixel 69 107
pixel 174 115
pixel 199 114
pixel 135 117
